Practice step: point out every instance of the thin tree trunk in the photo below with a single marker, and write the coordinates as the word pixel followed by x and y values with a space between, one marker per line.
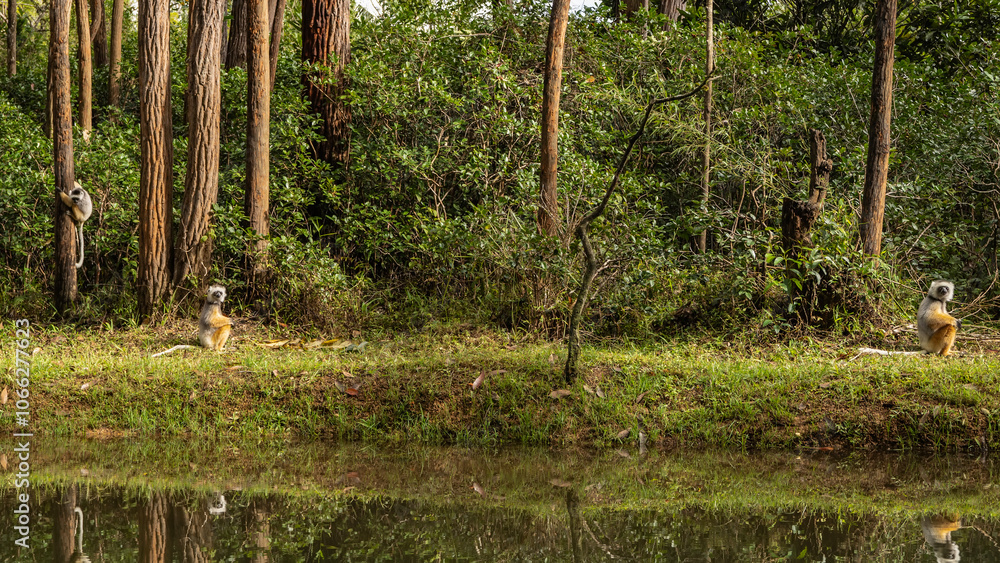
pixel 877 165
pixel 548 205
pixel 236 52
pixel 115 76
pixel 326 39
pixel 276 27
pixel 99 33
pixel 62 148
pixel 86 72
pixel 63 515
pixel 193 251
pixel 701 239
pixel 154 519
pixel 11 37
pixel 224 48
pixel 257 198
pixel 155 183
pixel 47 123
pixel 590 259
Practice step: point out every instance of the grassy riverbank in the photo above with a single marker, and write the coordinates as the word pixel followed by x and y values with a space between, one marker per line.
pixel 808 393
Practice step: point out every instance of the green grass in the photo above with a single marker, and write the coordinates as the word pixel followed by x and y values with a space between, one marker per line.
pixel 416 389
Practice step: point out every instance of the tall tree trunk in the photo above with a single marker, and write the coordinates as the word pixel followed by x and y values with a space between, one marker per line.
pixel 155 182
pixel 115 76
pixel 154 517
pixel 701 238
pixel 258 128
pixel 11 37
pixel 326 39
pixel 276 27
pixel 548 204
pixel 85 69
pixel 672 8
pixel 193 251
pixel 224 48
pixel 877 166
pixel 99 33
pixel 236 51
pixel 47 123
pixel 62 150
pixel 63 515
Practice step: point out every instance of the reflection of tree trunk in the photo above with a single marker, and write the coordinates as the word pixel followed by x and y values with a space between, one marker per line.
pixel 154 526
pixel 259 530
pixel 573 507
pixel 64 525
pixel 193 530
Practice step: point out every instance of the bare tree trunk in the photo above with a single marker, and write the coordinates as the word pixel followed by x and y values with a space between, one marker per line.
pixel 193 251
pixel 115 76
pixel 672 8
pixel 877 166
pixel 63 515
pixel 155 182
pixel 62 149
pixel 236 52
pixel 11 37
pixel 225 30
pixel 257 197
pixel 326 39
pixel 47 123
pixel 154 517
pixel 702 238
pixel 276 27
pixel 798 218
pixel 85 69
pixel 548 204
pixel 99 32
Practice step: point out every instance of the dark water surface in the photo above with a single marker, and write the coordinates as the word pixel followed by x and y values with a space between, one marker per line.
pixel 151 500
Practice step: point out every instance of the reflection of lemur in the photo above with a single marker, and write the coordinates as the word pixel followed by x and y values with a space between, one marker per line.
pixel 213 326
pixel 937 531
pixel 935 326
pixel 80 208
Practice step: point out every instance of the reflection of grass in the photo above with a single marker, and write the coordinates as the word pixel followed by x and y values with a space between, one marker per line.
pixel 417 389
pixel 522 477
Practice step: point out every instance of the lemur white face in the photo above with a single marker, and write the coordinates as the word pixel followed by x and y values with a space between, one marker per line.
pixel 216 294
pixel 942 290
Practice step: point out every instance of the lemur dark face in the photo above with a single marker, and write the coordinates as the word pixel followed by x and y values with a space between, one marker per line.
pixel 942 290
pixel 216 294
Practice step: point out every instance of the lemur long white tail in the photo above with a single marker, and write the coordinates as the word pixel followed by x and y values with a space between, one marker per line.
pixel 80 245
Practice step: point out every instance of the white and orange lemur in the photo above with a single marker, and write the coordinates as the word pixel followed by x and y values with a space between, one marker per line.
pixel 213 326
pixel 936 328
pixel 79 207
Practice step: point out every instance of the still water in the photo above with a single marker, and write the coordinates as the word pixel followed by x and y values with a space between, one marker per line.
pixel 132 500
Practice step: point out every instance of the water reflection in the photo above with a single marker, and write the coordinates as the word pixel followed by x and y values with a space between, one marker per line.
pixel 326 503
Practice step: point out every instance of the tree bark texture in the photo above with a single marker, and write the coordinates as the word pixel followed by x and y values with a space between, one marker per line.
pixel 257 197
pixel 193 528
pixel 115 60
pixel 63 516
pixel 548 204
pixel 193 251
pixel 62 152
pixel 877 165
pixel 85 69
pixel 11 37
pixel 276 26
pixel 701 239
pixel 224 48
pixel 672 8
pixel 99 33
pixel 154 524
pixel 326 40
pixel 47 122
pixel 236 51
pixel 155 182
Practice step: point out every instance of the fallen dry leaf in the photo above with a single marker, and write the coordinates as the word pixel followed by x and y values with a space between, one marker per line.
pixel 478 489
pixel 233 368
pixel 557 482
pixel 599 392
pixel 273 343
pixel 498 371
pixel 588 389
pixel 274 373
pixel 623 434
pixel 640 397
pixel 560 393
pixel 3 461
pixel 479 381
pixel 84 386
pixel 3 396
pixel 552 359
